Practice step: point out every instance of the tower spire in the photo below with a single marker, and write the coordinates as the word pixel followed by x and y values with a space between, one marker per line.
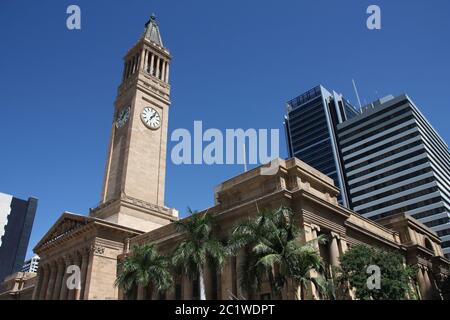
pixel 134 183
pixel 151 31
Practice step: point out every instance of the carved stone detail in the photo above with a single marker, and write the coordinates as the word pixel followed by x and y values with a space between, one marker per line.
pixel 98 249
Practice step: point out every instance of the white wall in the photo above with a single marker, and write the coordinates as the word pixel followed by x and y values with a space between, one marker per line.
pixel 5 210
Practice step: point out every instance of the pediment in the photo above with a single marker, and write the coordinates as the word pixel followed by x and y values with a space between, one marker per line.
pixel 67 224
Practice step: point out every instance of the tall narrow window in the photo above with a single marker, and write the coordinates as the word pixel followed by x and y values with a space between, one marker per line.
pixel 128 68
pixel 138 60
pixel 161 69
pixel 149 55
pixel 155 63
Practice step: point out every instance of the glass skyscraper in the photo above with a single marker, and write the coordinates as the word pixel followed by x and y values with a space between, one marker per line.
pixel 16 222
pixel 311 132
pixel 395 162
pixel 387 159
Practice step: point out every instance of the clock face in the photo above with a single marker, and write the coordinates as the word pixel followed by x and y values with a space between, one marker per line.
pixel 150 117
pixel 123 117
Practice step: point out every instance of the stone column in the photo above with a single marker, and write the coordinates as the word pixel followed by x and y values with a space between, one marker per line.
pixel 141 293
pixel 37 288
pixel 344 246
pixel 187 288
pixel 421 283
pixel 52 281
pixel 158 61
pixel 435 291
pixel 334 249
pixel 428 284
pixel 133 63
pixel 58 281
pixel 226 279
pixel 44 286
pixel 84 267
pixel 312 290
pixel 315 229
pixel 163 70
pixel 167 72
pixel 64 290
pixel 74 294
pixel 239 260
pixel 138 61
pixel 143 54
pixel 170 293
pixel 152 61
pixel 147 61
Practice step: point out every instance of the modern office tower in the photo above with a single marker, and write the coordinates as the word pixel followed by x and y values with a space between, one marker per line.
pixel 31 265
pixel 16 222
pixel 311 135
pixel 396 162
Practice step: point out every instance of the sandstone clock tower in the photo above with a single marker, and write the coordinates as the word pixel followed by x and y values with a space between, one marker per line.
pixel 133 187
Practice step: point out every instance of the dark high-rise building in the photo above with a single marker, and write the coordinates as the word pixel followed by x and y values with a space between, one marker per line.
pixel 311 132
pixel 16 222
pixel 395 162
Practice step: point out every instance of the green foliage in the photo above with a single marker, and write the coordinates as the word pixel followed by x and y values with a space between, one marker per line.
pixel 395 276
pixel 274 252
pixel 445 288
pixel 199 248
pixel 144 267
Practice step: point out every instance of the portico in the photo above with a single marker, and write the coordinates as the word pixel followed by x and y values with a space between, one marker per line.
pixel 87 244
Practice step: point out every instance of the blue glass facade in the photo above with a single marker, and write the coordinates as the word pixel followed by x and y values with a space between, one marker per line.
pixel 16 222
pixel 310 124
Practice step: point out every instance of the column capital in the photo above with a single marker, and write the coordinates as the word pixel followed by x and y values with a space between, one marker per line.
pixel 335 235
pixel 421 267
pixel 127 245
pixel 315 227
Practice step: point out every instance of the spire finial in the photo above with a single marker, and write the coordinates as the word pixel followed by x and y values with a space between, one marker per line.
pixel 152 19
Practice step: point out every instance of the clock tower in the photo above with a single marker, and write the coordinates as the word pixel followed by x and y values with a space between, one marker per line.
pixel 133 187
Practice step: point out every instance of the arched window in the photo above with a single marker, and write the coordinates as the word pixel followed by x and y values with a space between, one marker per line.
pixel 428 244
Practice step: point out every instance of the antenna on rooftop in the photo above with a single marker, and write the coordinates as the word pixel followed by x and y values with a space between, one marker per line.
pixel 357 95
pixel 377 95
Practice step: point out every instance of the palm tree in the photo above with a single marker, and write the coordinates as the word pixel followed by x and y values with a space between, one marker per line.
pixel 307 259
pixel 274 250
pixel 247 234
pixel 198 248
pixel 144 267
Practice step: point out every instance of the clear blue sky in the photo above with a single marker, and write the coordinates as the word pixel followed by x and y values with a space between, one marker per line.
pixel 235 63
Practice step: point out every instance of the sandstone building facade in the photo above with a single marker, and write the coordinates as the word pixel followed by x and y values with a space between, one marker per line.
pixel 313 196
pixel 132 207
